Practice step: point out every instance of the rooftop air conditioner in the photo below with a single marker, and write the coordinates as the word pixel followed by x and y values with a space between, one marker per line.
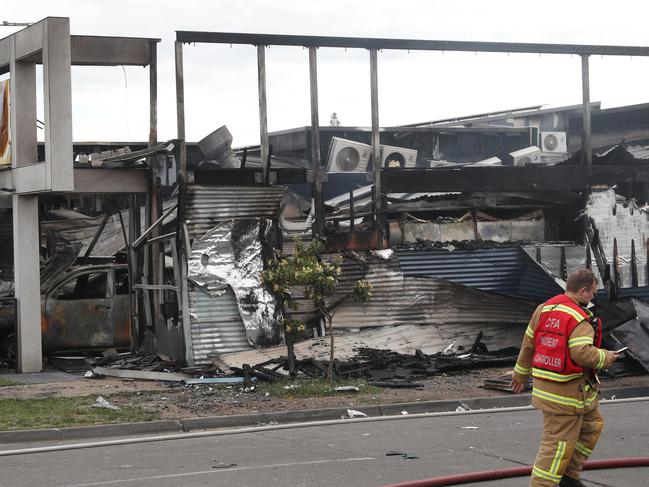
pixel 553 142
pixel 347 156
pixel 525 157
pixel 398 157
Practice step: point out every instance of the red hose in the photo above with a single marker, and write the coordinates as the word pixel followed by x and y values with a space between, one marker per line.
pixel 505 473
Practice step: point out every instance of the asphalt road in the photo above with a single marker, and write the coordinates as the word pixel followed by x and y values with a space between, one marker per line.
pixel 350 454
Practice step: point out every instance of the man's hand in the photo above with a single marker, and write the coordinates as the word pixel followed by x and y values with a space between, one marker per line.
pixel 517 387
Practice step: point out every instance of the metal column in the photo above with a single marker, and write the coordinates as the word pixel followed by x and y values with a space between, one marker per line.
pixel 376 146
pixel 586 141
pixel 318 227
pixel 180 112
pixel 154 204
pixel 182 187
pixel 263 109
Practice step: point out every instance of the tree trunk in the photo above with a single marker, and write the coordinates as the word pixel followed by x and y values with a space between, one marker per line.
pixel 290 352
pixel 330 370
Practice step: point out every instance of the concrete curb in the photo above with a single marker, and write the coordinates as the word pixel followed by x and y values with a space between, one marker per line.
pixel 86 432
pixel 307 415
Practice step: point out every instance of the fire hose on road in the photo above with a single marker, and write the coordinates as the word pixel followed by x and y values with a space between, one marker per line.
pixel 506 473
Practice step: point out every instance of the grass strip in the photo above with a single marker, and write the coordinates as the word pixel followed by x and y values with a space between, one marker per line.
pixel 60 412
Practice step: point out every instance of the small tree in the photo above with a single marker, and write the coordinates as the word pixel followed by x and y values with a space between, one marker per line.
pixel 318 278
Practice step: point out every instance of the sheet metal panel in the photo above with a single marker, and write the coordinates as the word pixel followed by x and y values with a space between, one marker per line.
pixel 638 151
pixel 208 205
pixel 538 285
pixel 504 270
pixel 431 302
pixel 216 326
pixel 497 269
pixel 398 300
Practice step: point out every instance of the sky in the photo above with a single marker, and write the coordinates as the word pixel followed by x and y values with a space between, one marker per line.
pixel 111 103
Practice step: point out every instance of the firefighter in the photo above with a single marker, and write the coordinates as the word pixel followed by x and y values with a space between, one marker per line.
pixel 561 350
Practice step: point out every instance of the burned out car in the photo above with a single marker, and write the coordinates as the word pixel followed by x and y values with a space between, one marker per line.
pixel 82 308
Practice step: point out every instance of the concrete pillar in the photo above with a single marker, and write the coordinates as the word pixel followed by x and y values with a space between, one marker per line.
pixel 25 218
pixel 27 282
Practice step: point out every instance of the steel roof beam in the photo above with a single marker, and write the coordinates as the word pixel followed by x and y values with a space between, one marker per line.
pixel 405 44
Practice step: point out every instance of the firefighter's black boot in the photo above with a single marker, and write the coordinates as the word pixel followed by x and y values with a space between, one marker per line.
pixel 570 482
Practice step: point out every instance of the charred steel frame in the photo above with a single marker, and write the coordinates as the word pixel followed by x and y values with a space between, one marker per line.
pixel 414 180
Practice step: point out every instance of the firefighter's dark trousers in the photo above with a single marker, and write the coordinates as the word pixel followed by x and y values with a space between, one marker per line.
pixel 568 440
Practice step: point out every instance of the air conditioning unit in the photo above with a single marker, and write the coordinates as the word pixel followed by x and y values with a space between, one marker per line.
pixel 347 156
pixel 398 157
pixel 553 142
pixel 526 157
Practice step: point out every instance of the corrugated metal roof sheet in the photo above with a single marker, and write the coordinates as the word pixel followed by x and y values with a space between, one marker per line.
pixel 208 205
pixel 399 300
pixel 505 270
pixel 363 197
pixel 216 325
pixel 637 151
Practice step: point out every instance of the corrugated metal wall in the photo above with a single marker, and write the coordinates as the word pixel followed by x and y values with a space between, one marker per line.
pixel 505 270
pixel 444 312
pixel 399 300
pixel 497 269
pixel 537 284
pixel 216 325
pixel 206 206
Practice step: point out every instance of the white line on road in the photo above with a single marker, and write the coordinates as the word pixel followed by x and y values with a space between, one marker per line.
pixel 223 470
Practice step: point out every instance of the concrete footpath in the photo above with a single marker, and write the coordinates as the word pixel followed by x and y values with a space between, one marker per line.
pixel 285 417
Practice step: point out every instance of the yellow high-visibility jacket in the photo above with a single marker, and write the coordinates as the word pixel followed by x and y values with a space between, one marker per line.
pixel 576 396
